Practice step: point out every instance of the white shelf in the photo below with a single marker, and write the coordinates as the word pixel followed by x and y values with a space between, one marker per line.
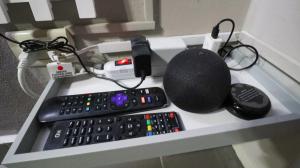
pixel 202 131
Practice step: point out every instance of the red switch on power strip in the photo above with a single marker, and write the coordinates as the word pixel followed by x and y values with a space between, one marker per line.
pixel 125 61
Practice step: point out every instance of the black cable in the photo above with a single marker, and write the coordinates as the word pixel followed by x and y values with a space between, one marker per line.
pixel 216 30
pixel 243 45
pixel 215 33
pixel 62 44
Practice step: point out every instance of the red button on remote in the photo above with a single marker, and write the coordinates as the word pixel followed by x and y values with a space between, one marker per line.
pixel 176 129
pixel 147 117
pixel 172 115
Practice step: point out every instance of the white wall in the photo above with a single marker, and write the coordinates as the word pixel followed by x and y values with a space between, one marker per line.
pixel 277 24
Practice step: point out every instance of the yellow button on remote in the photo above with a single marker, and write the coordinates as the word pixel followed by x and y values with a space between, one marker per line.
pixel 149 128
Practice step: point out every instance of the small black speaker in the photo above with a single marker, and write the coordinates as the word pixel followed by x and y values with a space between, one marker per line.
pixel 197 80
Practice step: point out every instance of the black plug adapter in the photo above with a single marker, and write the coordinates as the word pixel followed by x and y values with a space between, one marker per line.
pixel 141 54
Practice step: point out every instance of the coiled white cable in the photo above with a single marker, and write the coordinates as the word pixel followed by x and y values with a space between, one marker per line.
pixel 24 62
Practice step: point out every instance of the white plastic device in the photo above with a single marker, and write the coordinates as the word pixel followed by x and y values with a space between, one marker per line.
pixel 211 43
pixel 119 69
pixel 57 69
pixel 60 69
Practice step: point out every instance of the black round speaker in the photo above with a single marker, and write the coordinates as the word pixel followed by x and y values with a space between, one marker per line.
pixel 197 80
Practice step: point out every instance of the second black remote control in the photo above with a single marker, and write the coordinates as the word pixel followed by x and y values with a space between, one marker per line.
pixel 99 104
pixel 86 131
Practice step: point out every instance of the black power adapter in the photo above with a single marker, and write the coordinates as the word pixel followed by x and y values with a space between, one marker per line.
pixel 141 54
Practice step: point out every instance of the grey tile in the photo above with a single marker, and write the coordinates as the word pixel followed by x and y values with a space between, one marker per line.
pixel 223 157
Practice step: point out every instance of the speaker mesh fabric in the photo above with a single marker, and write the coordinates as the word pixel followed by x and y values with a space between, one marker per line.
pixel 197 80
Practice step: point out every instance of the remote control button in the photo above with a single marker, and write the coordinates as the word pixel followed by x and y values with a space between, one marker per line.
pixel 121 127
pixel 82 131
pixel 153 116
pixel 99 129
pixel 62 111
pixel 108 137
pixel 104 106
pixel 98 101
pixel 65 142
pixel 156 98
pixel 138 126
pixel 171 115
pixel 75 103
pixel 149 134
pixel 88 103
pixel 79 109
pixel 134 101
pixel 176 129
pixel 119 100
pixel 91 122
pixel 97 107
pixel 141 91
pixel 148 122
pixel 90 130
pixel 71 123
pixel 99 121
pixel 68 132
pixel 108 128
pixel 149 99
pixel 84 122
pixel 97 138
pixel 88 139
pixel 109 120
pixel 75 132
pixel 105 95
pixel 73 141
pixel 87 109
pixel 80 140
pixel 147 91
pixel 104 99
pixel 149 128
pixel 63 104
pixel 69 104
pixel 129 126
pixel 68 110
pixel 130 119
pixel 77 123
pixel 131 133
pixel 143 100
pixel 147 117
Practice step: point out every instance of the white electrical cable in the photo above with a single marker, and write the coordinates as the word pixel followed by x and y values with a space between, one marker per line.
pixel 24 62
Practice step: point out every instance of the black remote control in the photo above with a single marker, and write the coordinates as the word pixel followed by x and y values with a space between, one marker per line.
pixel 99 104
pixel 98 130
